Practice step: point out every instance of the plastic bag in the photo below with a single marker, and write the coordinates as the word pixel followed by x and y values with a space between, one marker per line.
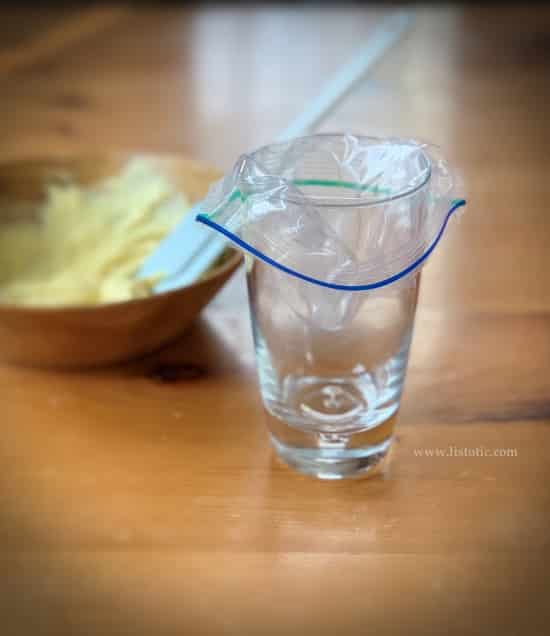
pixel 344 212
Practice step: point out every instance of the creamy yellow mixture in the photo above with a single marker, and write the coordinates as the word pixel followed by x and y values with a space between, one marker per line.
pixel 89 242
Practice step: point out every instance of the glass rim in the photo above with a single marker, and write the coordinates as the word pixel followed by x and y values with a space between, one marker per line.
pixel 327 202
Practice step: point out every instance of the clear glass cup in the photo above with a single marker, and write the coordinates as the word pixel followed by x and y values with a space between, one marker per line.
pixel 335 229
pixel 331 395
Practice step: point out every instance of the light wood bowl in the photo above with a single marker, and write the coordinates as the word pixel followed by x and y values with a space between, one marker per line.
pixel 87 336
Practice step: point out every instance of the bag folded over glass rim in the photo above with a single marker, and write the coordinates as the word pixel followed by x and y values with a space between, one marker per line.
pixel 341 211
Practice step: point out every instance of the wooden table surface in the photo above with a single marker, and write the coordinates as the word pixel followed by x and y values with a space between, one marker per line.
pixel 129 505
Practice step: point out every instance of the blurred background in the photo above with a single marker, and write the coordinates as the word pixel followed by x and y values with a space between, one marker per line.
pixel 213 80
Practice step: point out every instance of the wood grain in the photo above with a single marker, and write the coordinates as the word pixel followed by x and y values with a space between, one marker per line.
pixel 145 498
pixel 57 33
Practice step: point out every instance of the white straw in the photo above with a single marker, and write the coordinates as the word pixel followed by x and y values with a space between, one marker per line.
pixel 381 40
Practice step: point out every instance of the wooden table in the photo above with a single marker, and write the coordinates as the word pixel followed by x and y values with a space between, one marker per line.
pixel 129 505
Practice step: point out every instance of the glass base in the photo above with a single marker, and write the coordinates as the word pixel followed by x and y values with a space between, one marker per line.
pixel 338 462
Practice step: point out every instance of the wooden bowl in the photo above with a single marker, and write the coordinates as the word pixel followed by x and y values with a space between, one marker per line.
pixel 83 336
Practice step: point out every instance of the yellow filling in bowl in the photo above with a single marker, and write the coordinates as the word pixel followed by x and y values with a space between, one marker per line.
pixel 89 243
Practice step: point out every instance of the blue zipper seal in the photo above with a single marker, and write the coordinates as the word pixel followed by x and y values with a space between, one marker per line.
pixel 203 218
